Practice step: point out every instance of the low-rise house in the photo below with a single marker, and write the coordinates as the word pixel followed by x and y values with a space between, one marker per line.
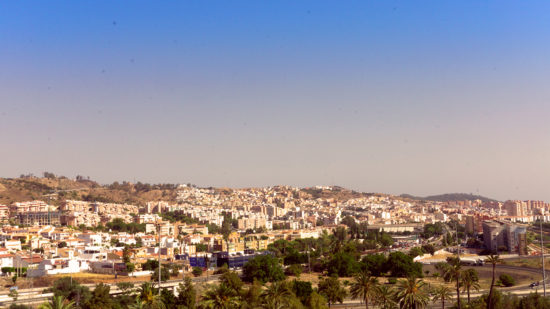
pixel 58 266
pixel 13 245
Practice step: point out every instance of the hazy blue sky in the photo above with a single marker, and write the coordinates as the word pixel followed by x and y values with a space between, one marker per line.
pixel 419 97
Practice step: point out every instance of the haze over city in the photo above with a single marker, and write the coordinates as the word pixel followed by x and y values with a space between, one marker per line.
pixel 389 97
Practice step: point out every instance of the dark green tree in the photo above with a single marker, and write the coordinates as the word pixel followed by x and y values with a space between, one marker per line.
pixel 264 268
pixel 187 295
pixel 402 265
pixel 342 264
pixel 100 298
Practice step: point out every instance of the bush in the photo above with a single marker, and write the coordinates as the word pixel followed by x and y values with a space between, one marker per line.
pixel 6 270
pixel 164 274
pixel 197 271
pixel 507 280
pixel 222 270
pixel 150 265
pixel 294 270
pixel 264 268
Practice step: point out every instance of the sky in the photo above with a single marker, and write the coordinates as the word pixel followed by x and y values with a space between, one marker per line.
pixel 418 97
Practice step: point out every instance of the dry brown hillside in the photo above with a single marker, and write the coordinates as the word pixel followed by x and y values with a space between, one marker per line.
pixel 56 189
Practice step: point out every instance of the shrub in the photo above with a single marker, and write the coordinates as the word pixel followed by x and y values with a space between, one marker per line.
pixel 507 280
pixel 197 271
pixel 294 270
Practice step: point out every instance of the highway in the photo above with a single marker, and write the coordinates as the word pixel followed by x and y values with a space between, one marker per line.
pixel 35 295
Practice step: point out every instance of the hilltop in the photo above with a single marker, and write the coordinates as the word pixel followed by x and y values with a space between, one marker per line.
pixel 450 197
pixel 54 189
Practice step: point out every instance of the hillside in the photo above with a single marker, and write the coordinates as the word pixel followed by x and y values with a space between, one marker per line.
pixel 449 197
pixel 55 189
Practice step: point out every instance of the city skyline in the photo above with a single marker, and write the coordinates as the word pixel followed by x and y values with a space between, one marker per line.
pixel 393 98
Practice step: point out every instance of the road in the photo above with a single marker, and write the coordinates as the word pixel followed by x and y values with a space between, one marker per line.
pixel 35 295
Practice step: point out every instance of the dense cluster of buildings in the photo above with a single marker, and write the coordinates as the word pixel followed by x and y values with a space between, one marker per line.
pixel 40 236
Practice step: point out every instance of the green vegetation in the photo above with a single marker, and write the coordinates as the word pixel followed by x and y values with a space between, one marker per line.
pixel 177 216
pixel 231 292
pixel 197 271
pixel 507 280
pixel 264 268
pixel 119 225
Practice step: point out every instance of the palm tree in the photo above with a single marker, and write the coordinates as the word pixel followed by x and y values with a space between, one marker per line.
pixel 385 297
pixel 441 293
pixel 219 297
pixel 492 259
pixel 332 290
pixel 149 298
pixel 412 294
pixel 364 287
pixel 139 304
pixel 277 295
pixel 454 272
pixel 252 297
pixel 470 280
pixel 58 302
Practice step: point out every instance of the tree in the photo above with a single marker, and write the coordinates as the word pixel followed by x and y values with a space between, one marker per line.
pixel 71 290
pixel 232 280
pixel 125 287
pixel 164 274
pixel 428 248
pixel 130 267
pixel 374 263
pixel 252 297
pixel 412 293
pixel 100 297
pixel 507 280
pixel 126 254
pixel 416 251
pixel 219 297
pixel 332 290
pixel 316 301
pixel 168 298
pixel 342 264
pixel 402 265
pixel 264 268
pixel 197 271
pixel 493 260
pixel 454 273
pixel 302 290
pixel 470 280
pixel 149 298
pixel 294 270
pixel 62 244
pixel 385 297
pixel 57 302
pixel 150 265
pixel 187 295
pixel 278 295
pixel 441 293
pixel 364 287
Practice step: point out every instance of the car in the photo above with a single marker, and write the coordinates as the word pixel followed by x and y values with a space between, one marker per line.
pixel 534 284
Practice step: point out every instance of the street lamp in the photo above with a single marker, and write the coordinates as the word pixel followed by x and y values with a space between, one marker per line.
pixel 542 253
